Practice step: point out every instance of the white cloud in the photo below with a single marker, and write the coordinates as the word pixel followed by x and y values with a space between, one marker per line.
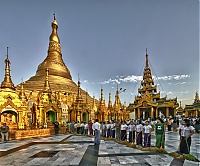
pixel 173 77
pixel 167 93
pixel 183 83
pixel 134 78
pixel 86 81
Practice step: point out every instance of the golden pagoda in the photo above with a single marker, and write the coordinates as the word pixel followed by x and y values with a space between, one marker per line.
pixel 80 109
pixel 108 114
pixel 101 110
pixel 118 109
pixel 148 103
pixel 12 105
pixel 180 111
pixel 193 110
pixel 51 93
pixel 59 75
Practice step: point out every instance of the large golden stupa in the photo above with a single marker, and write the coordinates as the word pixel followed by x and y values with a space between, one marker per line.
pixel 59 75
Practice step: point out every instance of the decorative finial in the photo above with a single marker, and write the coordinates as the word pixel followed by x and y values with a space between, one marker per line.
pixel 7 83
pixel 147 61
pixel 54 15
pixel 7 52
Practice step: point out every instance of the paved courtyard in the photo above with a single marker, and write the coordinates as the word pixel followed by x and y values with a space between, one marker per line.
pixel 67 149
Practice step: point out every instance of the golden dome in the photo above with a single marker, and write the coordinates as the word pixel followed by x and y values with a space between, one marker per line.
pixel 58 74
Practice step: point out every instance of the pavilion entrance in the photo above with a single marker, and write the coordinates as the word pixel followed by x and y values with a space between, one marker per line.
pixel 145 113
pixel 51 116
pixel 85 117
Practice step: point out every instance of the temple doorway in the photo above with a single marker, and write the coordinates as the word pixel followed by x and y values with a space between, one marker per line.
pixel 85 117
pixel 145 113
pixel 51 116
pixel 98 116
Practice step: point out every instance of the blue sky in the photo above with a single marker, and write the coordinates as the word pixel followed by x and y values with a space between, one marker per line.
pixel 105 42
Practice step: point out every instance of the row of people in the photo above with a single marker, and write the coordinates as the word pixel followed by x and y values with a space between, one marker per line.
pixel 139 133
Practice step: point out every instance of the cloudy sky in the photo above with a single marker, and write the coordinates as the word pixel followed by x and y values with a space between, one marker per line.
pixel 105 42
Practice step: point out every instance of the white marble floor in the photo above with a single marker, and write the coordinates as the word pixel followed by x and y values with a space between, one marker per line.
pixel 68 149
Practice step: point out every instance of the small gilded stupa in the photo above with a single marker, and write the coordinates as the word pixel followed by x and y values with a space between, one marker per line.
pixel 59 75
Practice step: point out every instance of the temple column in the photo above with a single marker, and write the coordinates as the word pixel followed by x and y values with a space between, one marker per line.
pixel 174 109
pixel 45 117
pixel 152 110
pixel 75 117
pixel 186 114
pixel 138 110
pixel 20 117
pixel 59 116
pixel 167 112
pixel 143 114
pixel 89 116
pixel 156 112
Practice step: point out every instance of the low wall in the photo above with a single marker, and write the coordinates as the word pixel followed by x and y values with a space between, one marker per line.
pixel 22 134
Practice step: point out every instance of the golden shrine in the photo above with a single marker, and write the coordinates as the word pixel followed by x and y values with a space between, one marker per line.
pixel 51 95
pixel 193 110
pixel 148 103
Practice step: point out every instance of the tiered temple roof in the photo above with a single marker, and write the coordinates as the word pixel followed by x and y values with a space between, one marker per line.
pixel 148 99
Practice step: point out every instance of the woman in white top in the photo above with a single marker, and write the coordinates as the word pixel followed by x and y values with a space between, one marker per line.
pixel 139 129
pixel 147 134
pixel 185 132
pixel 86 128
pixel 123 131
pixel 131 129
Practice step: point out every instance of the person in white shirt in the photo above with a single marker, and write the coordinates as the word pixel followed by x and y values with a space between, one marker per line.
pixel 86 127
pixel 96 128
pixel 147 134
pixel 123 131
pixel 139 129
pixel 131 129
pixel 82 126
pixel 185 132
pixel 112 127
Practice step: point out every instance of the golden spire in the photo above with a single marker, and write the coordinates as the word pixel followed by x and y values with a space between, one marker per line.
pixel 101 98
pixel 79 89
pixel 94 104
pixel 7 83
pixel 196 100
pixel 109 101
pixel 54 36
pixel 117 103
pixel 22 94
pixel 196 96
pixel 53 61
pixel 147 84
pixel 46 84
pixel 147 61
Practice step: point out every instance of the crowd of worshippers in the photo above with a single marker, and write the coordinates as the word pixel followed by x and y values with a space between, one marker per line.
pixel 139 131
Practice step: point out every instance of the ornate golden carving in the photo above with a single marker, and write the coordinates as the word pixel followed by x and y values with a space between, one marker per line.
pixel 54 46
